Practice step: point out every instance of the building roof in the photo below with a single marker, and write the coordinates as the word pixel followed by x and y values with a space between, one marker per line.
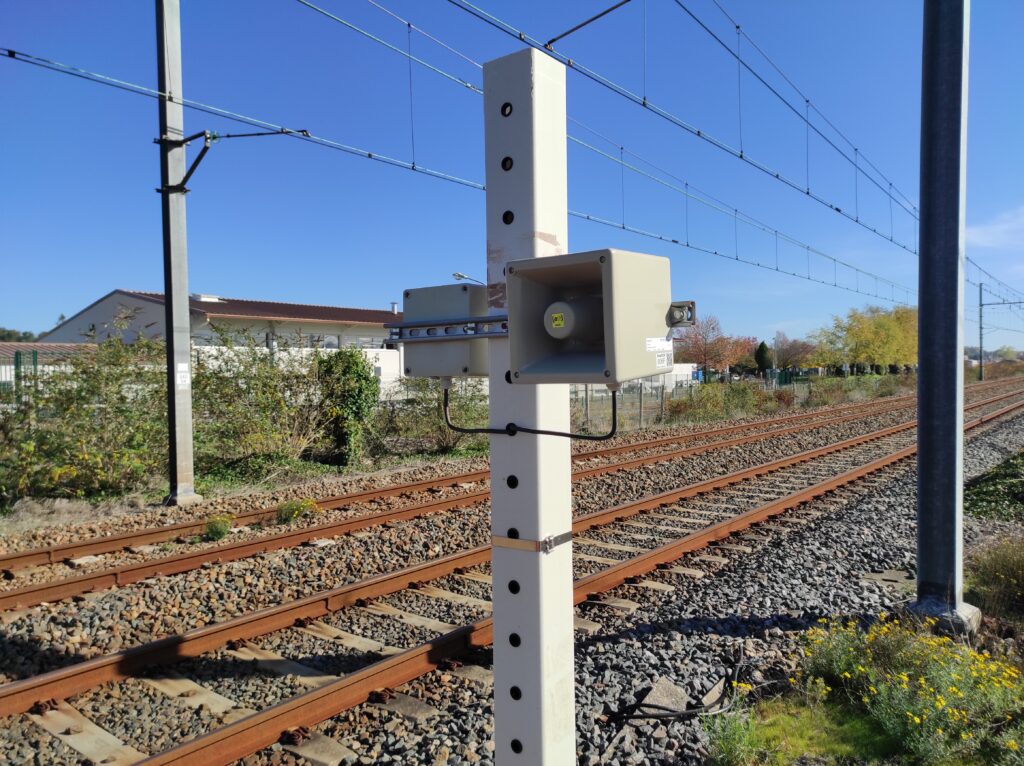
pixel 9 348
pixel 218 307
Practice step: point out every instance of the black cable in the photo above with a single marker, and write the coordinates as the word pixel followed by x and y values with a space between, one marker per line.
pixel 663 712
pixel 512 429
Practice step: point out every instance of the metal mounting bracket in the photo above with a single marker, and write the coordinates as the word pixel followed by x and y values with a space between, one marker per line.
pixel 546 545
pixel 179 188
pixel 461 328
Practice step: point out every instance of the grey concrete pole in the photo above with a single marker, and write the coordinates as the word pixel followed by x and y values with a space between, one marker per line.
pixel 940 344
pixel 176 306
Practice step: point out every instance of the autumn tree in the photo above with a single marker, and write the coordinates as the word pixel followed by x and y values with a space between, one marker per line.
pixel 874 337
pixel 702 343
pixel 791 352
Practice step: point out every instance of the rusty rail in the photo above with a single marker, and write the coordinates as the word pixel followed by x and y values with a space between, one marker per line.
pixel 19 696
pixel 55 590
pixel 264 728
pixel 55 554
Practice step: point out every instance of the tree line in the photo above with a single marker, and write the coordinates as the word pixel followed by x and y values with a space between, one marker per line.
pixel 870 339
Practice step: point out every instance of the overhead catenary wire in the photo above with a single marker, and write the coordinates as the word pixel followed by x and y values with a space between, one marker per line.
pixel 673 119
pixel 810 104
pixel 136 89
pixel 303 135
pixel 689 191
pixel 774 91
pixel 386 44
pixel 723 207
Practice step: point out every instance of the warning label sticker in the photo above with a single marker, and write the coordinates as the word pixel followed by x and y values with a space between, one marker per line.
pixel 659 344
pixel 558 320
pixel 663 360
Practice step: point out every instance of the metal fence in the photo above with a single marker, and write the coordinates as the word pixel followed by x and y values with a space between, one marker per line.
pixel 25 366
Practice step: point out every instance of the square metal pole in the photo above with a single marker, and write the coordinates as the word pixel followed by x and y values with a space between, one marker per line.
pixel 534 682
pixel 940 399
pixel 176 307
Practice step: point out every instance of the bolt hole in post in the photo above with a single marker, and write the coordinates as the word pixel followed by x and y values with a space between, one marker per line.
pixel 513 587
pixel 517 746
pixel 516 693
pixel 508 217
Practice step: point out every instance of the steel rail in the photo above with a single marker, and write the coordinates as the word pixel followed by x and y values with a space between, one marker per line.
pixel 19 696
pixel 55 590
pixel 11 562
pixel 264 728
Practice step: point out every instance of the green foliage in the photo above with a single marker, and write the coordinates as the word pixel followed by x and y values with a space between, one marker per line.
pixel 17 336
pixel 941 700
pixel 763 357
pixel 999 493
pixel 95 426
pixel 218 527
pixel 248 402
pixel 996 581
pixel 732 738
pixel 293 510
pixel 412 418
pixel 349 392
pixel 873 337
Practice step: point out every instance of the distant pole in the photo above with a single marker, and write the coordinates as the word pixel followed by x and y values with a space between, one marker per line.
pixel 940 345
pixel 981 331
pixel 172 203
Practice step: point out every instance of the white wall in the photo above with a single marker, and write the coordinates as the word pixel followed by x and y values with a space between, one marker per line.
pixel 148 321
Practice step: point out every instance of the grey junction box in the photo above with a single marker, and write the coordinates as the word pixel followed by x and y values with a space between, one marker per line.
pixel 452 358
pixel 593 317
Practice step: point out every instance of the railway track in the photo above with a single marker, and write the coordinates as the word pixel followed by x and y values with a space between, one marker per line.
pixel 147 566
pixel 612 546
pixel 11 562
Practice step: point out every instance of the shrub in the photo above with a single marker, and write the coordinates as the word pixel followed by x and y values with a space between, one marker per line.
pixel 942 700
pixel 294 510
pixel 997 580
pixel 95 426
pixel 411 418
pixel 218 527
pixel 349 392
pixel 740 400
pixel 731 738
pixel 786 398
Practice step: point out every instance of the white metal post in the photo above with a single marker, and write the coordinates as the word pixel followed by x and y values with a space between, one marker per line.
pixel 525 152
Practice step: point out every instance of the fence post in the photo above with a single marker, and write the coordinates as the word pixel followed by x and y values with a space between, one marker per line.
pixel 641 402
pixel 17 375
pixel 586 404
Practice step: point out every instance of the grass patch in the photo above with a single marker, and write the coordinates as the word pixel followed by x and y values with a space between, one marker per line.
pixel 999 493
pixel 791 727
pixel 260 471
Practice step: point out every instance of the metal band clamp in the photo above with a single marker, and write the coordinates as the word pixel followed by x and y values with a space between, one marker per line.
pixel 546 545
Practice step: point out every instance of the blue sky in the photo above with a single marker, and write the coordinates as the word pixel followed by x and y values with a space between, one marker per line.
pixel 279 219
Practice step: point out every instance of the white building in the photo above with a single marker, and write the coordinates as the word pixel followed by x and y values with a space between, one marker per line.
pixel 301 324
pixel 132 313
